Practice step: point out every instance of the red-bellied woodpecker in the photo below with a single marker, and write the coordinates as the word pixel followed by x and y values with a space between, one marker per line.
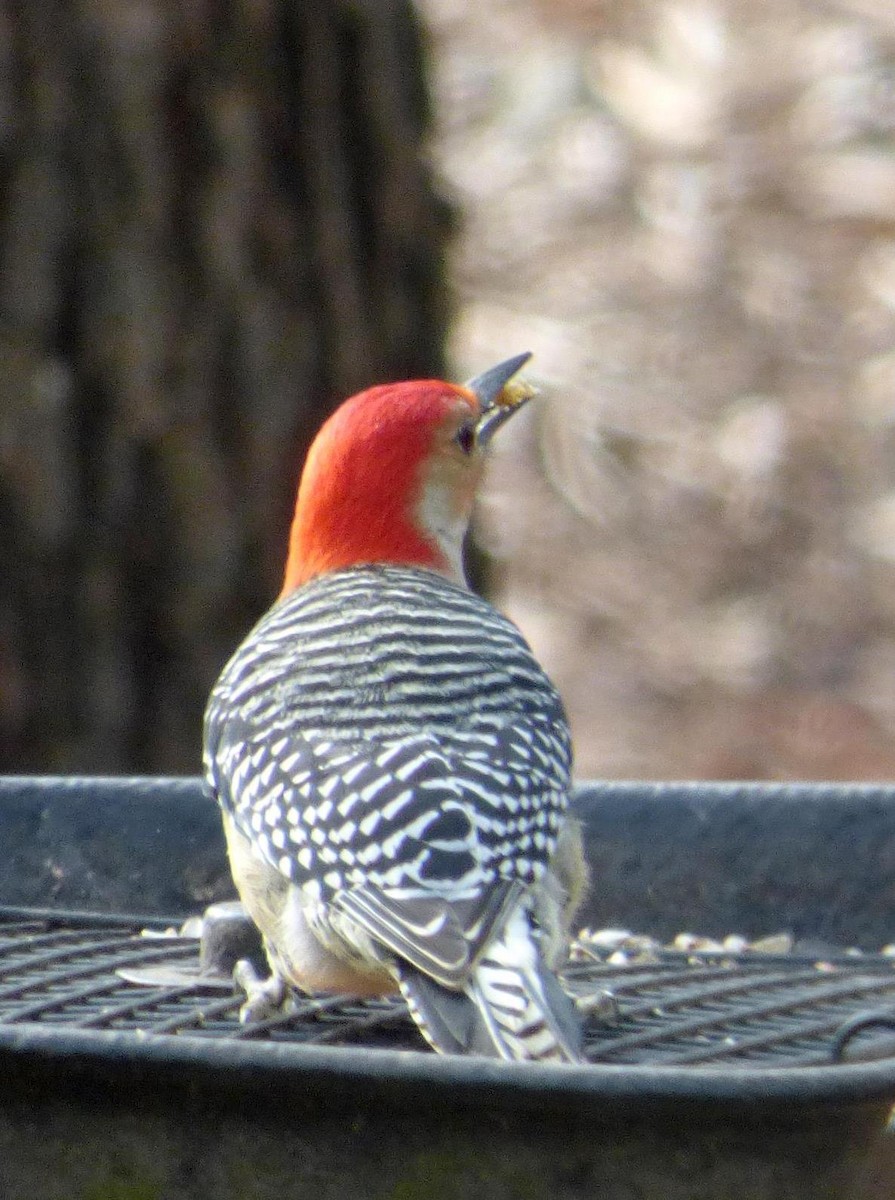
pixel 392 763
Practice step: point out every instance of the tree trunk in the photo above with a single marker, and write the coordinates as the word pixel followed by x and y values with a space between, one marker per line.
pixel 214 224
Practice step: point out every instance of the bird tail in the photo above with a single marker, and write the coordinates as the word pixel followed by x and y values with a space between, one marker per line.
pixel 512 1006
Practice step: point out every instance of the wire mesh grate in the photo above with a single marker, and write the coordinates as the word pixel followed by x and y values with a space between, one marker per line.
pixel 676 1009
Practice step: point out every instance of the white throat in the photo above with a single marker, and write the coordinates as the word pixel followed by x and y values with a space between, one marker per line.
pixel 440 522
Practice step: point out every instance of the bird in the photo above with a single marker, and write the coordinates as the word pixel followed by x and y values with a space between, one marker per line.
pixel 392 764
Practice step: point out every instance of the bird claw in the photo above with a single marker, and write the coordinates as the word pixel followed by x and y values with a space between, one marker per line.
pixel 265 998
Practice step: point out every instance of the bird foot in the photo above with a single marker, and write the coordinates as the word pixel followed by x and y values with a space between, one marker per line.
pixel 265 998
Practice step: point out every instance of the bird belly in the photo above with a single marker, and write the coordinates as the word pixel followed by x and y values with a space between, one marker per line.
pixel 294 952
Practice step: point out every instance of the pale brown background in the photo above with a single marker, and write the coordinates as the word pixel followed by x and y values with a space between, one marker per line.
pixel 687 211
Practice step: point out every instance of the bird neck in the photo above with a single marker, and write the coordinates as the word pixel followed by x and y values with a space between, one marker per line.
pixel 372 508
pixel 348 539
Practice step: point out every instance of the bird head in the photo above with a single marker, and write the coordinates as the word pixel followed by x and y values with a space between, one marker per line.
pixel 392 475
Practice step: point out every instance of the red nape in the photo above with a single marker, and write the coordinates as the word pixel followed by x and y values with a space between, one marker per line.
pixel 361 482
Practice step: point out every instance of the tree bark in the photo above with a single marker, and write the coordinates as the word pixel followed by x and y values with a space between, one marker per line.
pixel 215 222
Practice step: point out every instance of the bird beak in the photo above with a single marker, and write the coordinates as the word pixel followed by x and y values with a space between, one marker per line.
pixel 497 401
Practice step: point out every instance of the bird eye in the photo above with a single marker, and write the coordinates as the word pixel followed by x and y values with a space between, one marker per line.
pixel 465 438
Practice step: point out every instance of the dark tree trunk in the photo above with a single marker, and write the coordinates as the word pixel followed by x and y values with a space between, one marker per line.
pixel 214 224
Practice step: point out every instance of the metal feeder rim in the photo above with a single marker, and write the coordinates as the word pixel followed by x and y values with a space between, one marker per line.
pixel 85 918
pixel 473 1081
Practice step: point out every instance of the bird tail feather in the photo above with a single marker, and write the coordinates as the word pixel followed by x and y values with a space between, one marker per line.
pixel 511 1007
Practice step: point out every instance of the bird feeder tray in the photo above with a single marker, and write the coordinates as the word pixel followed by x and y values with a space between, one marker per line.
pixel 126 1071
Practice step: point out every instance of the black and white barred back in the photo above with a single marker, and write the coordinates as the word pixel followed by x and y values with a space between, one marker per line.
pixel 383 725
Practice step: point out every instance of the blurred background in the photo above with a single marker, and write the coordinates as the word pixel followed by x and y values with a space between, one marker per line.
pixel 218 220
